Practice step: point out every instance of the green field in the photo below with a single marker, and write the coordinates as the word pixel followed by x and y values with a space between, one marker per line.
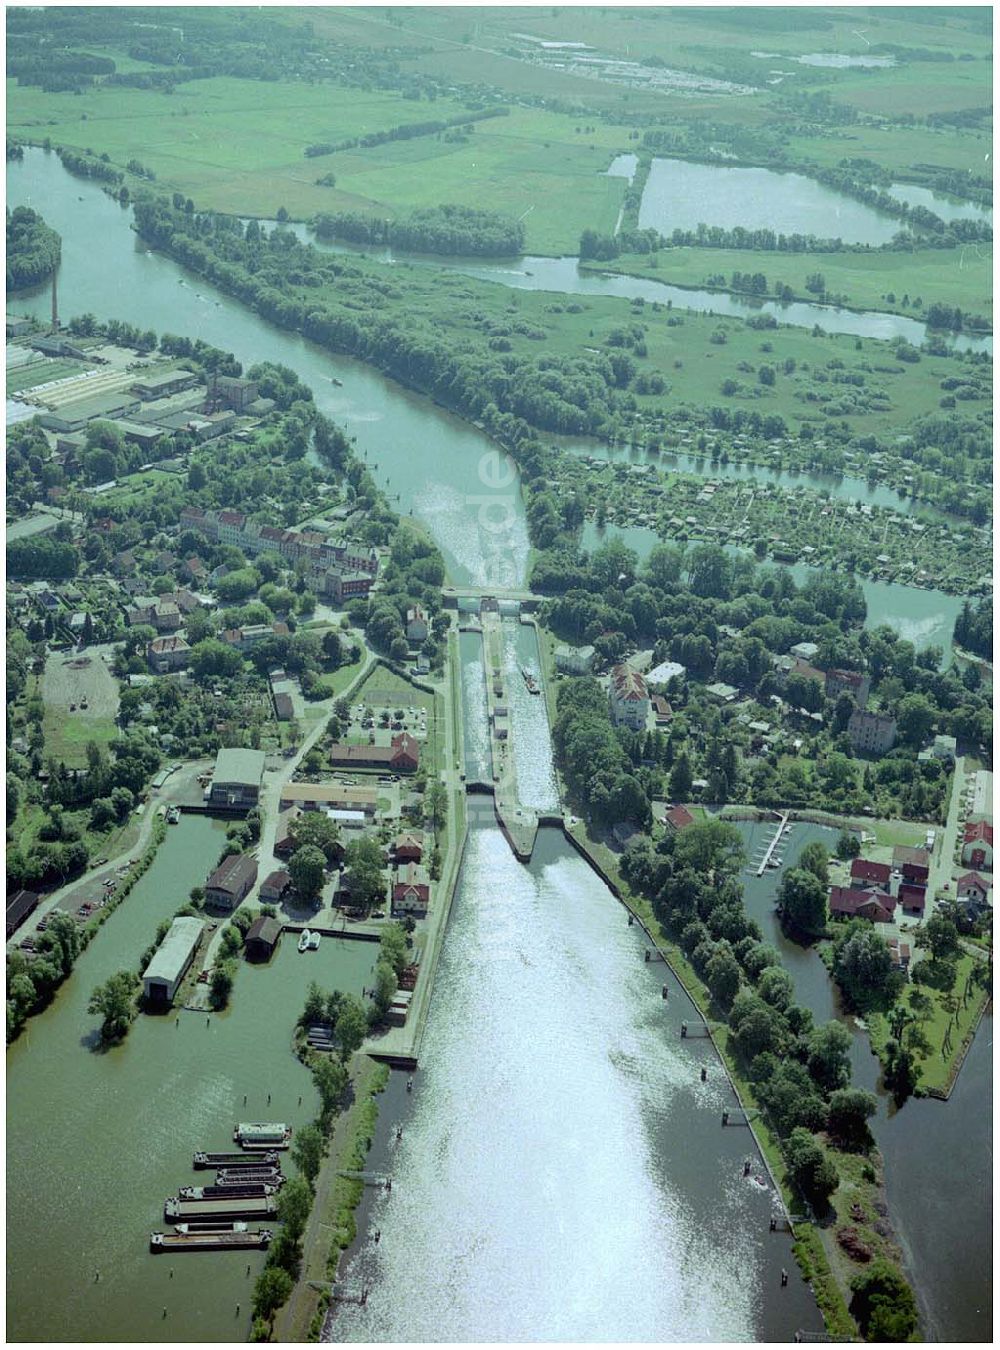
pixel 962 277
pixel 237 146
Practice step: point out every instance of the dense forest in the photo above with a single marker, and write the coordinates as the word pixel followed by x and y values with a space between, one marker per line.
pixel 974 628
pixel 461 231
pixel 33 248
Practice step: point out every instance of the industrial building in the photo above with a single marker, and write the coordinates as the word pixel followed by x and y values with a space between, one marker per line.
pixel 237 779
pixel 171 960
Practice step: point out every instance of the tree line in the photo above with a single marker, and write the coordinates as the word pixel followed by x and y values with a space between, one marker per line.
pixel 33 248
pixel 462 231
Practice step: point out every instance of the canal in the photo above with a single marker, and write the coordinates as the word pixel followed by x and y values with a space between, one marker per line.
pixel 546 1025
pixel 96 1140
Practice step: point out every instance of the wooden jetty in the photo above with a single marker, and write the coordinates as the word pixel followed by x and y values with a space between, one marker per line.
pixel 238 1237
pixel 178 1210
pixel 203 1160
pixel 239 1190
pixel 369 1178
pixel 765 861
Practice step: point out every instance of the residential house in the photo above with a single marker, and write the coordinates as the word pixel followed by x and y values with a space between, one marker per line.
pixel 847 903
pixel 231 881
pixel 416 625
pixel 871 733
pixel 852 682
pixel 912 899
pixel 629 698
pixel 973 891
pixel 164 655
pixel 870 875
pixel 977 845
pixel 411 891
pixel 913 864
pixel 678 818
pixel 722 693
pixel 274 886
pixel 408 848
pixel 805 651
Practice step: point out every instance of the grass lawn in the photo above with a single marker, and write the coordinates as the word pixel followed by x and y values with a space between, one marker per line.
pixel 889 833
pixel 962 277
pixel 136 486
pixel 938 1066
pixel 339 680
pixel 67 734
pixel 23 832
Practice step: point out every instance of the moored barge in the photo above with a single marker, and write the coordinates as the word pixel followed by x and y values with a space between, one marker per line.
pixel 179 1210
pixel 203 1160
pixel 262 1136
pixel 203 1240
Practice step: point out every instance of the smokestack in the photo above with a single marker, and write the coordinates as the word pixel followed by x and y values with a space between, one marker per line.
pixel 55 305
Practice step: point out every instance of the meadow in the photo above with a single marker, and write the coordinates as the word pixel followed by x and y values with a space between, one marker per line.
pixel 962 277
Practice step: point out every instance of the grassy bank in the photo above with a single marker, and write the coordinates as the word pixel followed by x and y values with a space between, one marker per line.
pixel 874 281
pixel 948 1025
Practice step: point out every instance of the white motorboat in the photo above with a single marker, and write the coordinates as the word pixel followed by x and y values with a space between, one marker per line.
pixel 304 940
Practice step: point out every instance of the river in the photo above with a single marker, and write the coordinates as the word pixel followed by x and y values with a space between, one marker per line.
pixel 543 1002
pixel 97 1140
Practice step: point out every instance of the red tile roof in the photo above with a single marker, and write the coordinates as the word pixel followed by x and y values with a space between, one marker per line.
pixel 863 870
pixel 679 817
pixel 979 830
pixel 851 903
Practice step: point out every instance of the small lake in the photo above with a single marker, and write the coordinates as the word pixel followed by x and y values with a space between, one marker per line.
pixel 683 195
pixel 623 166
pixel 948 208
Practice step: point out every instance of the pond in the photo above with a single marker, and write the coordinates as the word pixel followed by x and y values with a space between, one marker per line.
pixel 683 195
pixel 925 618
pixel 948 208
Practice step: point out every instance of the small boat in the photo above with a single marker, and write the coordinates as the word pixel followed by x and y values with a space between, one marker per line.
pixel 304 939
pixel 530 681
pixel 338 383
pixel 314 942
pixel 173 815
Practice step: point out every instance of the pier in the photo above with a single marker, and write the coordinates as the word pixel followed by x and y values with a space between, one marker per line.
pixel 766 860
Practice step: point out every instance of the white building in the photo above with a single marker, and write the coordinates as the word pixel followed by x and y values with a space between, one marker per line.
pixel 575 660
pixel 628 697
pixel 171 960
pixel 665 672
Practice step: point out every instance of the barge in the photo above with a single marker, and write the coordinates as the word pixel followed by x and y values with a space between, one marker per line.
pixel 531 683
pixel 242 1190
pixel 249 1176
pixel 179 1210
pixel 230 1160
pixel 202 1240
pixel 262 1136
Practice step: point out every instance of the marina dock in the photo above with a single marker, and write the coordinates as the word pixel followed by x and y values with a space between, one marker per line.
pixel 769 854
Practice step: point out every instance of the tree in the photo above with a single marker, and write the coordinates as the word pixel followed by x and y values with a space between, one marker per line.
pixel 681 778
pixel 115 1001
pixel 775 987
pixel 850 1111
pixel 313 828
pixel 271 1291
pixel 814 1173
pixel 294 1204
pixel 914 718
pixel 722 975
pixel 330 1078
pixel 802 902
pixel 862 966
pixel 351 1026
pixel 848 845
pixel 307 868
pixel 883 1304
pixel 394 946
pixel 221 984
pixel 829 1056
pixel 364 866
pixel 308 1148
pixel 815 858
pixel 939 936
pixel 386 985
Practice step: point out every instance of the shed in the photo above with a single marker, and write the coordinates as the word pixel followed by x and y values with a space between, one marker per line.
pixel 262 938
pixel 171 960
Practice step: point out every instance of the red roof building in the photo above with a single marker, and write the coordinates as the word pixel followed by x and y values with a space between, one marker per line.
pixel 403 754
pixel 972 886
pixel 678 818
pixel 977 845
pixel 866 873
pixel 846 903
pixel 912 898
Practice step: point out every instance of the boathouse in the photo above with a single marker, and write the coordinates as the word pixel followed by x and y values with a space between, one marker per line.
pixel 237 779
pixel 262 939
pixel 170 961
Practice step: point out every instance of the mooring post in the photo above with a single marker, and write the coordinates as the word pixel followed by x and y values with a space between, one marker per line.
pixel 725 1117
pixel 704 1074
pixel 684 1030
